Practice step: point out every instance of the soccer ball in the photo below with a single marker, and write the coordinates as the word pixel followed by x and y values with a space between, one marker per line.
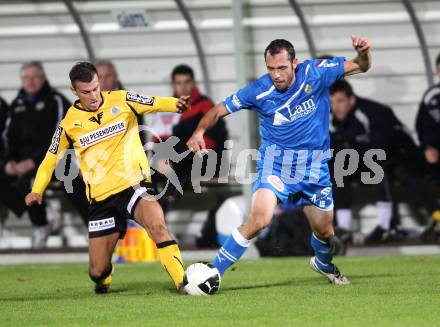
pixel 201 278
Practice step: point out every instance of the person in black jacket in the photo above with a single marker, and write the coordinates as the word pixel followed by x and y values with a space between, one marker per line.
pixel 33 116
pixel 428 132
pixel 428 124
pixel 9 194
pixel 4 111
pixel 362 124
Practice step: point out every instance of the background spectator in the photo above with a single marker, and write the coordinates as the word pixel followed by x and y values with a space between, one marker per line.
pixel 34 114
pixel 9 195
pixel 428 132
pixel 4 113
pixel 428 124
pixel 182 126
pixel 362 124
pixel 183 83
pixel 108 76
pixel 109 81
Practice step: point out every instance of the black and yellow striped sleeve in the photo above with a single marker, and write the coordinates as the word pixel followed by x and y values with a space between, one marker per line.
pixel 143 104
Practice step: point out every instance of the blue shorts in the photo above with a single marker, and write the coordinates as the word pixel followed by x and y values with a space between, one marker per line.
pixel 316 191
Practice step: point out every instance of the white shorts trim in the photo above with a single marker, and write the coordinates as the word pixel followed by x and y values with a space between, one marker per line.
pixel 134 197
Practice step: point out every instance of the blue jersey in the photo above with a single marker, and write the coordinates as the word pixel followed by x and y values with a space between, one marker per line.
pixel 294 127
pixel 297 118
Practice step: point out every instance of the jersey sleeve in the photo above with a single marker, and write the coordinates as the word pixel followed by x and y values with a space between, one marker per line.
pixel 242 99
pixel 143 104
pixel 59 144
pixel 330 70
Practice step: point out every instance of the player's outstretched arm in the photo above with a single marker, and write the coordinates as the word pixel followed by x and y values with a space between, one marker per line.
pixel 196 142
pixel 362 62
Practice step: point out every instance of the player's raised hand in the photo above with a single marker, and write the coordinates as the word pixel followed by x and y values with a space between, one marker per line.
pixel 360 44
pixel 196 143
pixel 33 198
pixel 182 103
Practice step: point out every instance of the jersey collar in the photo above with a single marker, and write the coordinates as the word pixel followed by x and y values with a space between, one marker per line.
pixel 299 78
pixel 77 104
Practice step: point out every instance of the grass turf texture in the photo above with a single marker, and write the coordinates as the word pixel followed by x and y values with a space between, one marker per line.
pixel 385 291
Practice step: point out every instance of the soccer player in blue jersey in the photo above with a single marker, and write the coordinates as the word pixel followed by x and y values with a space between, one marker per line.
pixel 293 104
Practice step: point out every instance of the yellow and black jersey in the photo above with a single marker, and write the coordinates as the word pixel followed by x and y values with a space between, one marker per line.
pixel 106 142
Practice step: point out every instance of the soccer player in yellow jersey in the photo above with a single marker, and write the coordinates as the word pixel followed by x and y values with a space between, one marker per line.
pixel 102 129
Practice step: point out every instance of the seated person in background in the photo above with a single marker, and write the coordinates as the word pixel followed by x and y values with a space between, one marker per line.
pixel 362 124
pixel 4 113
pixel 34 114
pixel 428 125
pixel 8 193
pixel 108 76
pixel 182 126
pixel 109 81
pixel 184 84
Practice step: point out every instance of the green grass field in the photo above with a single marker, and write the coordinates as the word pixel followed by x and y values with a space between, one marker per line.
pixel 385 291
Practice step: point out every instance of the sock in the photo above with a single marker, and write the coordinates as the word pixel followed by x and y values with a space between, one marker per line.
pixel 344 217
pixel 171 260
pixel 384 214
pixel 436 215
pixel 233 248
pixel 323 253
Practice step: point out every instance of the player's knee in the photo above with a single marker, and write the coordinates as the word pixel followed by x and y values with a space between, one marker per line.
pixel 324 232
pixel 157 230
pixel 98 273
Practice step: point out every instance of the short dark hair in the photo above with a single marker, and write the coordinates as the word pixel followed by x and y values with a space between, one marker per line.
pixel 324 56
pixel 82 72
pixel 105 62
pixel 34 63
pixel 342 86
pixel 182 70
pixel 276 46
pixel 437 61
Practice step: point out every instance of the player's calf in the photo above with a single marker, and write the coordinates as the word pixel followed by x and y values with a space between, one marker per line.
pixel 236 244
pixel 255 225
pixel 149 214
pixel 323 249
pixel 233 248
pixel 321 240
pixel 263 205
pixel 171 260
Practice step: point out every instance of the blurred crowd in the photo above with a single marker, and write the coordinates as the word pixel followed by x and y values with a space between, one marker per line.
pixel 412 169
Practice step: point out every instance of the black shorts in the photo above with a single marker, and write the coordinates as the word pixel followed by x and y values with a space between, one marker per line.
pixel 111 214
